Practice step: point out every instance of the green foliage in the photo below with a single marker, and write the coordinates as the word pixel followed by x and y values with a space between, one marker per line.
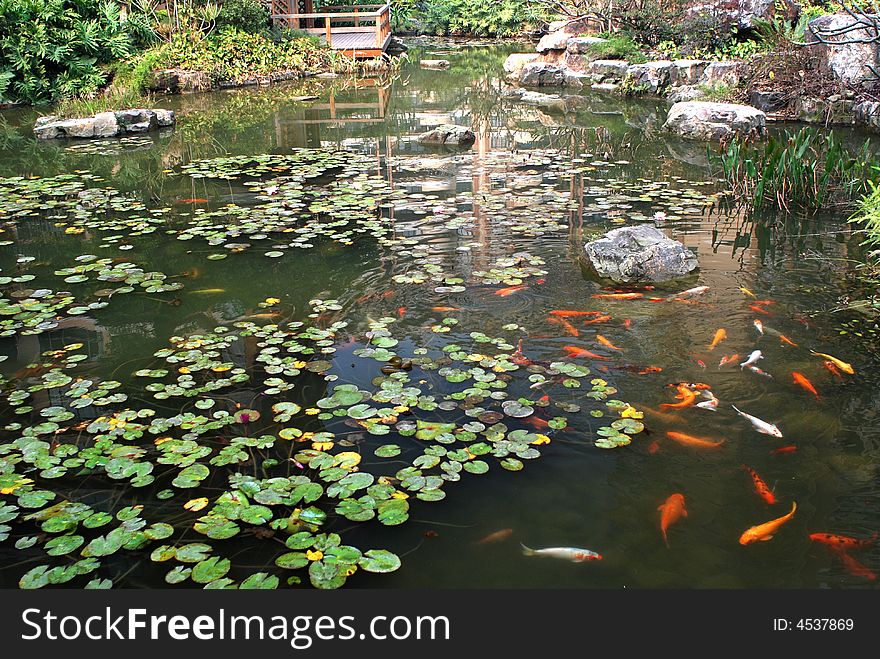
pixel 868 214
pixel 52 49
pixel 247 15
pixel 618 46
pixel 718 92
pixel 500 18
pixel 234 55
pixel 806 170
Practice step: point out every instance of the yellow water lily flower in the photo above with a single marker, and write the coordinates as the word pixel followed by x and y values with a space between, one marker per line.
pixel 312 411
pixel 540 439
pixel 272 301
pixel 314 555
pixel 397 494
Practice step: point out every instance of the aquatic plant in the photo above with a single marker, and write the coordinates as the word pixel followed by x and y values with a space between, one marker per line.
pixel 804 170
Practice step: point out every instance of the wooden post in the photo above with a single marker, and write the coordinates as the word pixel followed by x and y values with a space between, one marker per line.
pixel 379 30
pixel 328 31
pixel 357 18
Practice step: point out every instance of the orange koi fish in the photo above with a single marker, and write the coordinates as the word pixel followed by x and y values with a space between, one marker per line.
pixel 720 335
pixel 690 440
pixel 510 290
pixel 791 448
pixel 442 309
pixel 760 486
pixel 671 511
pixel 567 326
pixel 566 313
pixel 574 351
pixel 618 296
pixel 537 422
pixel 654 446
pixel 766 531
pixel 401 312
pixel 599 319
pixel 626 323
pixel 728 360
pixel 854 567
pixel 804 383
pixel 832 369
pixel 649 369
pixel 757 309
pixel 197 200
pixel 785 339
pixel 763 303
pixel 687 397
pixel 605 342
pixel 497 536
pixel 843 541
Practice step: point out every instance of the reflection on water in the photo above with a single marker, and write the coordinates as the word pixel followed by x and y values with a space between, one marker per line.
pixel 538 180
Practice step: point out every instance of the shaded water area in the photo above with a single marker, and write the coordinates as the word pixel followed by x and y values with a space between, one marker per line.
pixel 401 240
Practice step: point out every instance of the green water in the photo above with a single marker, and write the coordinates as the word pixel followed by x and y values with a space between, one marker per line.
pixel 536 181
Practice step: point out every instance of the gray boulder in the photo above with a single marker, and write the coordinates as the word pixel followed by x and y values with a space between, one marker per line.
pixel 542 74
pixel 435 64
pixel 685 93
pixel 852 63
pixel 651 77
pixel 702 120
pixel 721 73
pixel 582 45
pixel 449 135
pixel 639 253
pixel 687 71
pixel 867 113
pixel 608 69
pixel 768 101
pixel 515 62
pixel 103 124
pixel 554 41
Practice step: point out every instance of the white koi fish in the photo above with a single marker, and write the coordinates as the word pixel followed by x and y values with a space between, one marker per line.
pixel 758 424
pixel 573 554
pixel 711 404
pixel 753 359
pixel 699 290
pixel 758 371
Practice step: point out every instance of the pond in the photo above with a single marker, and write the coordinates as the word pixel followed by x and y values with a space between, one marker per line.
pixel 286 344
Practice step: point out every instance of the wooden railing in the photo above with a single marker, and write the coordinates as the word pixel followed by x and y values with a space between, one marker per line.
pixel 336 20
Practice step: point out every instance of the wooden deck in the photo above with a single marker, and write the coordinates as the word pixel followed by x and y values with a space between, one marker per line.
pixel 360 31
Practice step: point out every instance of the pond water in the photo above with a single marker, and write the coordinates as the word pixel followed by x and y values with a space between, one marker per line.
pixel 352 221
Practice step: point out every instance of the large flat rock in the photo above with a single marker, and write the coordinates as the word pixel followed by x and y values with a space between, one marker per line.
pixel 702 120
pixel 639 253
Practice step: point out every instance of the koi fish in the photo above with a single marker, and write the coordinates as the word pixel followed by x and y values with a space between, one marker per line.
pixel 753 359
pixel 690 440
pixel 711 404
pixel 728 360
pixel 626 323
pixel 401 312
pixel 573 554
pixel 197 200
pixel 760 486
pixel 649 369
pixel 791 448
pixel 759 326
pixel 699 290
pixel 842 365
pixel 510 290
pixel 758 371
pixel 720 335
pixel 574 351
pixel 687 399
pixel 600 319
pixel 537 422
pixel 854 567
pixel 671 511
pixel 764 532
pixel 566 313
pixel 843 541
pixel 758 424
pixel 757 309
pixel 567 326
pixel 764 303
pixel 701 363
pixel 785 339
pixel 747 292
pixel 497 536
pixel 518 358
pixel 208 291
pixel 804 383
pixel 654 446
pixel 443 309
pixel 832 369
pixel 618 296
pixel 605 342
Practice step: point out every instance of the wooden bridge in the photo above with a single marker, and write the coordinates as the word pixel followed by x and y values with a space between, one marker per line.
pixel 356 31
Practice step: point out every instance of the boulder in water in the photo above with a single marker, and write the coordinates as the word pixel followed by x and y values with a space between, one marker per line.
pixel 639 253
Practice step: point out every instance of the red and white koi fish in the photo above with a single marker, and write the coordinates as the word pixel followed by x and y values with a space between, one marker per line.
pixel 758 371
pixel 759 326
pixel 573 554
pixel 728 360
pixel 711 404
pixel 758 424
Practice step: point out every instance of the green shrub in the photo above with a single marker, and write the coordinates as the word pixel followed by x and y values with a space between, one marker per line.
pixel 247 15
pixel 618 46
pixel 495 18
pixel 52 49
